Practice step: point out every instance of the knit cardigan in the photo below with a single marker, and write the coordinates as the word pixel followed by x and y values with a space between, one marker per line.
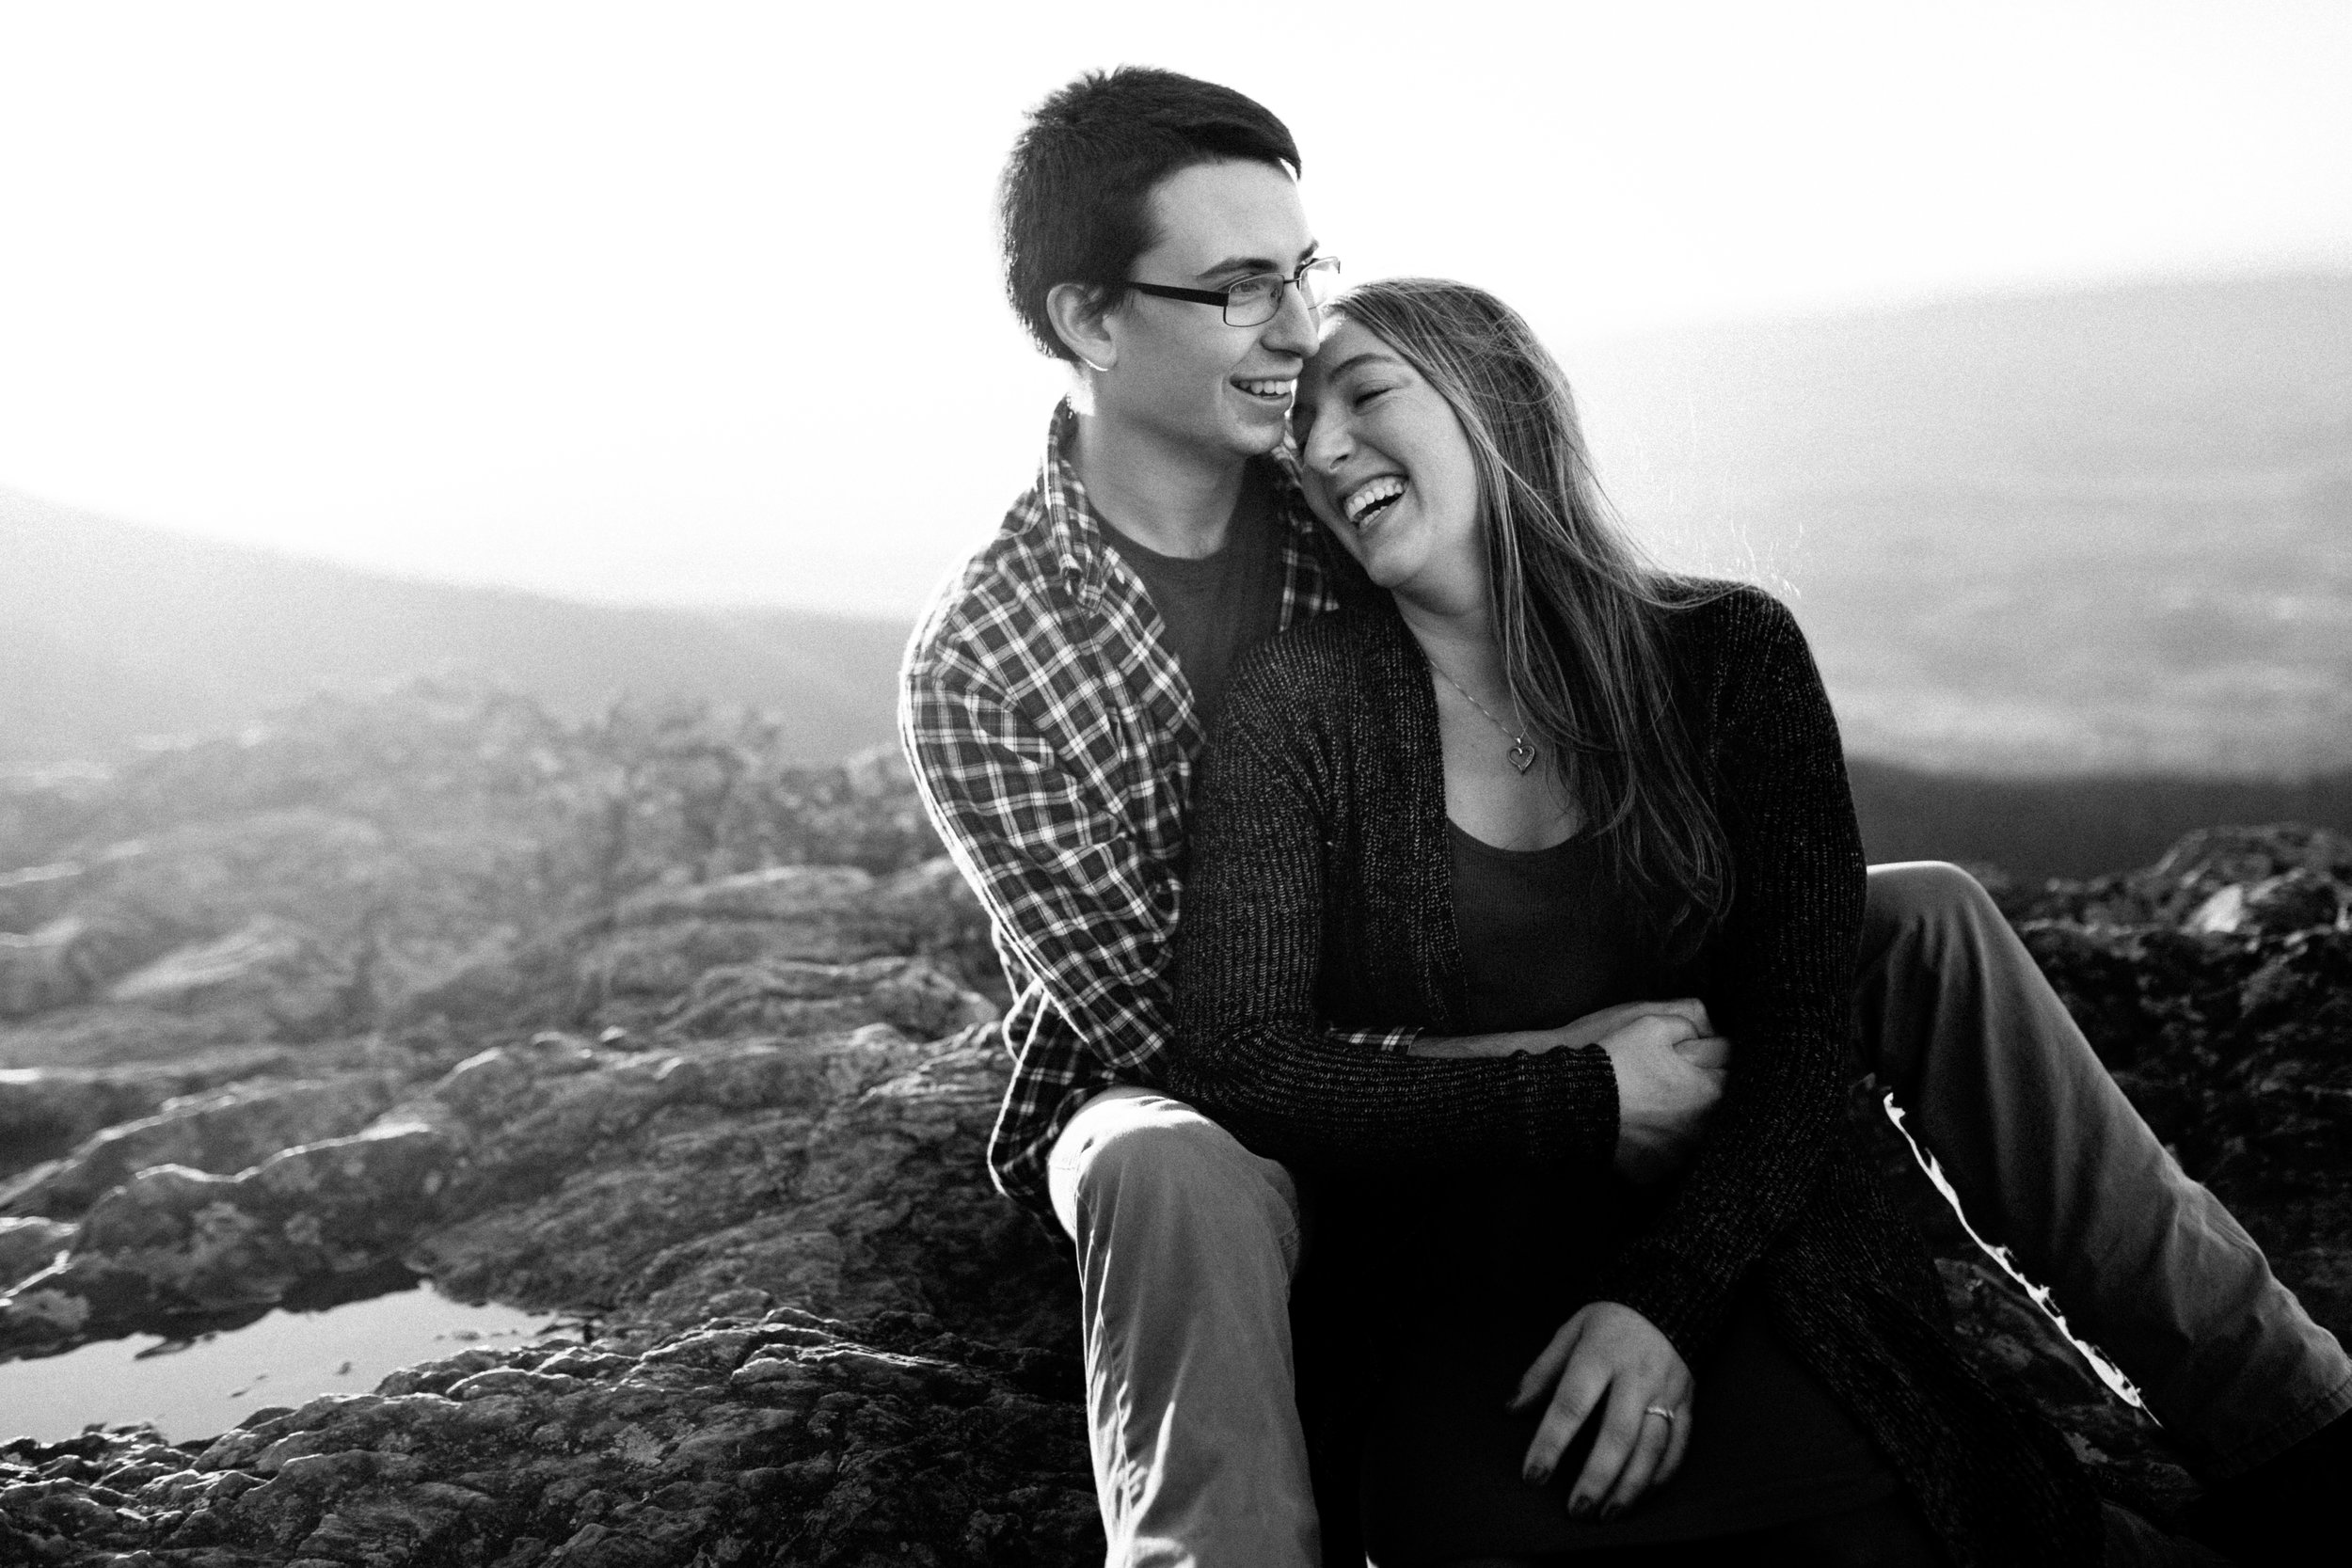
pixel 1320 893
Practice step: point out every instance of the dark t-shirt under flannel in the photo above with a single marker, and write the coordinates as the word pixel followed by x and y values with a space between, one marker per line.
pixel 1212 607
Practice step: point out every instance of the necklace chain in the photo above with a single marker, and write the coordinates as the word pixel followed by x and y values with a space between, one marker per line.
pixel 1523 751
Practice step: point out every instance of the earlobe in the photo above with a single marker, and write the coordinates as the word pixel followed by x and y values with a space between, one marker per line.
pixel 1077 312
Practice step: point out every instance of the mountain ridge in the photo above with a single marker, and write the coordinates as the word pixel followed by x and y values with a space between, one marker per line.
pixel 110 631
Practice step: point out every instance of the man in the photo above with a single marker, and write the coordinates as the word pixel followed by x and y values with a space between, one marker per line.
pixel 1055 698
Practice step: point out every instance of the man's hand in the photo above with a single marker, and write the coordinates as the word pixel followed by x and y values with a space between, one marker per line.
pixel 1595 1028
pixel 1669 1077
pixel 1611 1365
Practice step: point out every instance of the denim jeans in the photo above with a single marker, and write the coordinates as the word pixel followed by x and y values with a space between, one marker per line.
pixel 1187 1245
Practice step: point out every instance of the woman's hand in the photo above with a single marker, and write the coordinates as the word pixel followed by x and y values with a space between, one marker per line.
pixel 1611 1365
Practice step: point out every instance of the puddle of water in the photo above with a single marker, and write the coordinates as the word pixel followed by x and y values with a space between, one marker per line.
pixel 204 1385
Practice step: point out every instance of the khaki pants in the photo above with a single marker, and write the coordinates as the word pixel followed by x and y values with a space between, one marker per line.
pixel 1187 1245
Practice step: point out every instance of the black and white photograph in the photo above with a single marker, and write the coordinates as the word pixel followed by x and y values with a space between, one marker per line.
pixel 1044 784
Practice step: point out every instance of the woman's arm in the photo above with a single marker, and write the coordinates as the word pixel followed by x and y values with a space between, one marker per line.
pixel 1784 979
pixel 1251 1046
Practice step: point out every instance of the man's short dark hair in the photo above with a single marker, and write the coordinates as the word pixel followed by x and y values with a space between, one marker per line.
pixel 1073 202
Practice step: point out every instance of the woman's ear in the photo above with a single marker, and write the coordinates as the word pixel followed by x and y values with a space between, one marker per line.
pixel 1077 312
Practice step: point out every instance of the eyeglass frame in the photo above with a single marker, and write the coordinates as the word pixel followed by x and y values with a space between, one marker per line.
pixel 1223 298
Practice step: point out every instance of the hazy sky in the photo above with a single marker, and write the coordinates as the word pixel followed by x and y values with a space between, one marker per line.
pixel 681 302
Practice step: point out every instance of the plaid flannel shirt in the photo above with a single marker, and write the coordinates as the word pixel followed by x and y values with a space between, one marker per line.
pixel 1053 737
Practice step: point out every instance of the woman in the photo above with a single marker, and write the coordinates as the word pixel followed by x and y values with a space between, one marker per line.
pixel 1537 780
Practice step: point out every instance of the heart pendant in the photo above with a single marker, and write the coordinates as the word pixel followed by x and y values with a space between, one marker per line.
pixel 1523 755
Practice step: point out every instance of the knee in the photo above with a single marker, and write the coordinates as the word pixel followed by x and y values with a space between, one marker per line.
pixel 1934 905
pixel 1158 1149
pixel 1158 1170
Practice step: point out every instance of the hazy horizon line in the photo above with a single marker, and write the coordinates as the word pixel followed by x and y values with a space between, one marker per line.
pixel 1896 303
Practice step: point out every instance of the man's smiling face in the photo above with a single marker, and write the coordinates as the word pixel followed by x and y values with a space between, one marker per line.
pixel 1181 374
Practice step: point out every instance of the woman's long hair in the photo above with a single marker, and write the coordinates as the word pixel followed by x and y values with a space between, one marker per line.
pixel 1579 610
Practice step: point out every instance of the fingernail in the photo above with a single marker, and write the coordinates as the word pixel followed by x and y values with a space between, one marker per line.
pixel 1608 1513
pixel 1579 1507
pixel 1534 1475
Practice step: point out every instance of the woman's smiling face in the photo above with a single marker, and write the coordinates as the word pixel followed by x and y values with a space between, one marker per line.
pixel 1389 471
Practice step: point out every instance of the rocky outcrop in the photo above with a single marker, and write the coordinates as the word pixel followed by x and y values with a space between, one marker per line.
pixel 223 1132
pixel 789 949
pixel 626 1024
pixel 279 972
pixel 783 1437
pixel 29 1242
pixel 65 960
pixel 359 862
pixel 836 1172
pixel 46 1111
pixel 697 1201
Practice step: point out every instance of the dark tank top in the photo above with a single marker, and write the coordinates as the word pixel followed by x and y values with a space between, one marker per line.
pixel 1546 937
pixel 1486 1265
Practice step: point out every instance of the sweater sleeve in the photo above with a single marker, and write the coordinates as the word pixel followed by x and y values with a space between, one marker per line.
pixel 1783 983
pixel 1251 1046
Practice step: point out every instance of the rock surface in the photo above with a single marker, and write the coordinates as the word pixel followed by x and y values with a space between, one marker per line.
pixel 46 1111
pixel 779 1438
pixel 632 1024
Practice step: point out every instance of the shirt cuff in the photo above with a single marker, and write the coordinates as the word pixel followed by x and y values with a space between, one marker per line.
pixel 1392 1041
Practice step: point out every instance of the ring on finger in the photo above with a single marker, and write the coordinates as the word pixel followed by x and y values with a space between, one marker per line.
pixel 1661 1410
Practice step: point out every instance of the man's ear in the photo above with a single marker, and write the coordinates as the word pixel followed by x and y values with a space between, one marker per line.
pixel 1077 312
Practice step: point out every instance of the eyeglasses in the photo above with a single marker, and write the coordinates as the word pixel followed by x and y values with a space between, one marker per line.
pixel 1256 299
